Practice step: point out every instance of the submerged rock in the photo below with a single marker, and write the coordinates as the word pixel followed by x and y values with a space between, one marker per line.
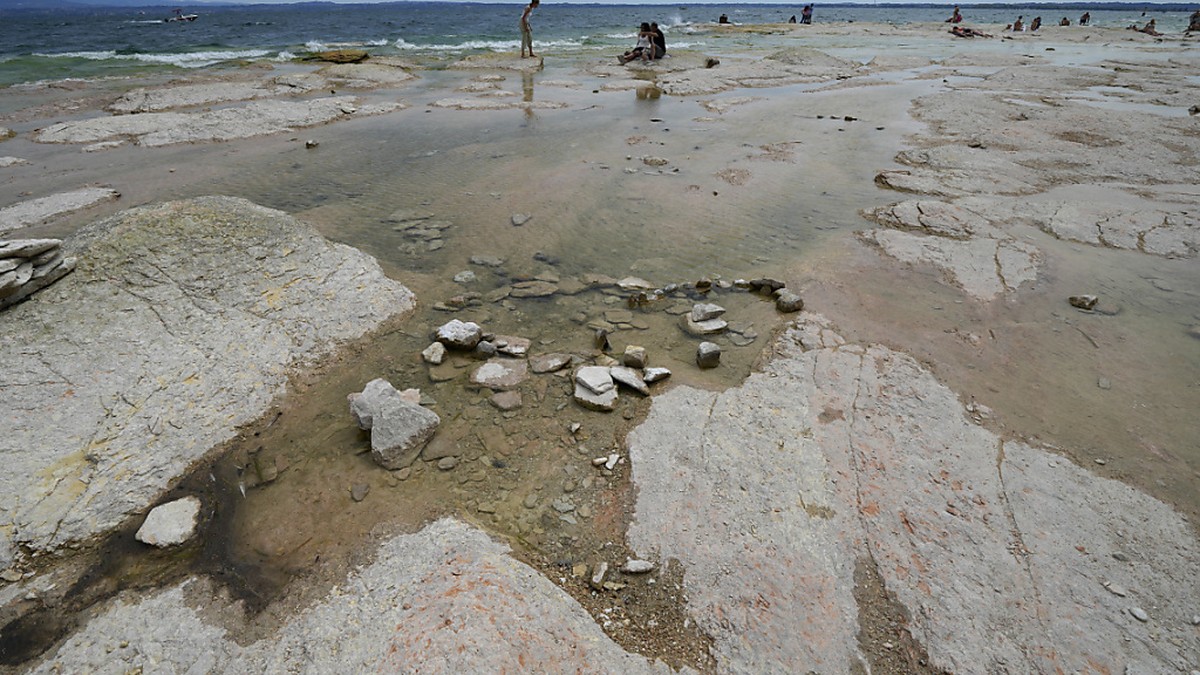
pixel 1087 302
pixel 708 355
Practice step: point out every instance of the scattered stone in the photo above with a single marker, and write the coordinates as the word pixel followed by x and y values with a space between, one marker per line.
pixel 339 56
pixel 598 574
pixel 399 428
pixel 709 327
pixel 599 461
pixel 634 356
pixel 501 374
pixel 600 340
pixel 506 400
pixel 1086 302
pixel 788 302
pixel 1116 590
pixel 708 355
pixel 447 463
pixel 611 462
pixel 464 277
pixel 11 575
pixel 574 427
pixel 704 284
pixel 310 144
pixel 531 500
pixel 1139 614
pixel 485 349
pixel 562 505
pixel 170 524
pixel 633 566
pixel 358 491
pixel 634 284
pixel 765 285
pixel 486 260
pixel 1104 383
pixel 605 402
pixel 462 335
pixel 548 363
pixel 533 289
pixel 705 311
pixel 595 378
pixel 629 378
pixel 511 345
pixel 618 316
pixel 652 375
pixel 519 219
pixel 28 266
pixel 434 354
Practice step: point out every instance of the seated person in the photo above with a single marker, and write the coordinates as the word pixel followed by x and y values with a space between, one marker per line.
pixel 956 17
pixel 1194 21
pixel 1037 23
pixel 1064 21
pixel 659 40
pixel 1149 29
pixel 644 49
pixel 1018 25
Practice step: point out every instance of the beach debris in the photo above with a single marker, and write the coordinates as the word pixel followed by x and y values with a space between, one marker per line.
pixel 1085 302
pixel 652 375
pixel 519 219
pixel 170 524
pixel 310 143
pixel 598 572
pixel 708 355
pixel 29 265
pixel 358 491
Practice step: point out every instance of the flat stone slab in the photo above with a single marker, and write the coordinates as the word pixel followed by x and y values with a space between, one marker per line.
pixel 37 211
pixel 389 616
pixel 983 267
pixel 501 374
pixel 257 118
pixel 181 322
pixel 998 550
pixel 170 524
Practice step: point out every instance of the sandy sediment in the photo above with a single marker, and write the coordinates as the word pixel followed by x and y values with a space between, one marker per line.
pixel 839 455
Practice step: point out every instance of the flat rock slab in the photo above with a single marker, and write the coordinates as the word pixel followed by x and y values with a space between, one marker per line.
pixel 36 211
pixel 390 616
pixel 983 267
pixel 501 374
pixel 838 455
pixel 181 322
pixel 257 118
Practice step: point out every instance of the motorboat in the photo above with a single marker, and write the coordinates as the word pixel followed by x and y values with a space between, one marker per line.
pixel 180 16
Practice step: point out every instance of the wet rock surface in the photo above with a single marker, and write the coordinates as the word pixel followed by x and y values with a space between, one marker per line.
pixel 154 332
pixel 35 211
pixel 976 536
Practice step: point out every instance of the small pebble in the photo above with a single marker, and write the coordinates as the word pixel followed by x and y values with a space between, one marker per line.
pixel 1139 614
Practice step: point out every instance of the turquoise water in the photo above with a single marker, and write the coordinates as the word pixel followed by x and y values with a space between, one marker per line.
pixel 38 45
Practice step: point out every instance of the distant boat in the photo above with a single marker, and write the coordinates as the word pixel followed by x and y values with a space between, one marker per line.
pixel 180 16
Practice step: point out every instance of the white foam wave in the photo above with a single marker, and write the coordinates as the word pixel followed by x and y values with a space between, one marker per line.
pixel 182 60
pixel 491 45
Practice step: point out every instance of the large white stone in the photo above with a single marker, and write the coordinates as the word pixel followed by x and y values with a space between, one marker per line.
pixel 170 524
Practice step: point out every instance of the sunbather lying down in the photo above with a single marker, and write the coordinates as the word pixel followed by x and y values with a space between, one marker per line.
pixel 959 31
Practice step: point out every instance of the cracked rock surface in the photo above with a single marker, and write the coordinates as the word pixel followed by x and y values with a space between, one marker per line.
pixel 999 551
pixel 182 321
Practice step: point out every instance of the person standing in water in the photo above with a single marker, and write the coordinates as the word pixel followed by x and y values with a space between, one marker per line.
pixel 526 31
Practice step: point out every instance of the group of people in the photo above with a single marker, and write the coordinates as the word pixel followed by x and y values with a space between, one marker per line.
pixel 651 44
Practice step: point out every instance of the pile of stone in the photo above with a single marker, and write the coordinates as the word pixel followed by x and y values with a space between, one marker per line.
pixel 29 265
pixel 400 427
pixel 596 386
